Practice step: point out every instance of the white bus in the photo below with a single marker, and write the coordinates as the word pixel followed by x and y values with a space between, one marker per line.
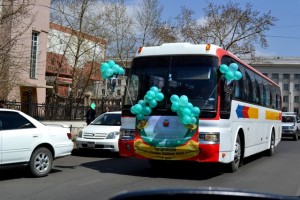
pixel 238 118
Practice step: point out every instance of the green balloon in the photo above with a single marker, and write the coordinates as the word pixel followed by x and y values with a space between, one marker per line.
pixel 223 68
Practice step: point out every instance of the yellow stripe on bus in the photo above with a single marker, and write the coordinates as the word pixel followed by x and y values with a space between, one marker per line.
pixel 270 115
pixel 253 113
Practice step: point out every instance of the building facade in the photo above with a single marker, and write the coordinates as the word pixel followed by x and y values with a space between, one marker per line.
pixel 27 56
pixel 286 72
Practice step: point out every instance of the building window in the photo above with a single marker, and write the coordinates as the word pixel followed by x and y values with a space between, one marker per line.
pixel 297 76
pixel 297 87
pixel 103 92
pixel 119 92
pixel 34 55
pixel 296 110
pixel 266 74
pixel 275 76
pixel 286 76
pixel 119 81
pixel 286 87
pixel 296 99
pixel 284 109
pixel 285 99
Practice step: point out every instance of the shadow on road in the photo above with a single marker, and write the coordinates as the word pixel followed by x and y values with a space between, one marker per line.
pixel 138 167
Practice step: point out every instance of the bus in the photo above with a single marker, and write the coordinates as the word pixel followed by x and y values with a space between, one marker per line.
pixel 237 118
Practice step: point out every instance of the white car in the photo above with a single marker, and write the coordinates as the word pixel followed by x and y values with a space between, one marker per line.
pixel 102 133
pixel 26 141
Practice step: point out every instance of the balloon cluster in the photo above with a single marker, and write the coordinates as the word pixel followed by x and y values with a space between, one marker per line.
pixel 141 109
pixel 231 72
pixel 185 110
pixel 110 68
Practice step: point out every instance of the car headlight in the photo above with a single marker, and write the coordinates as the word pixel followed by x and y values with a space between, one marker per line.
pixel 127 134
pixel 80 134
pixel 209 138
pixel 112 135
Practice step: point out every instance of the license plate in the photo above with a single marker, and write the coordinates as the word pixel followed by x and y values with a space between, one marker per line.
pixel 91 144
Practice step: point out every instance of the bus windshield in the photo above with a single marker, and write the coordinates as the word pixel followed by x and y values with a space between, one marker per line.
pixel 194 76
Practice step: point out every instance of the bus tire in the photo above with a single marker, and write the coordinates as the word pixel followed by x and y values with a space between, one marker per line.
pixel 237 161
pixel 271 150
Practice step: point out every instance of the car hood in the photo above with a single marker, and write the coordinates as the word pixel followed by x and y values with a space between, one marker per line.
pixel 101 129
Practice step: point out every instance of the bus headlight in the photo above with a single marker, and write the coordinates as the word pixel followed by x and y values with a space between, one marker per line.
pixel 209 138
pixel 127 134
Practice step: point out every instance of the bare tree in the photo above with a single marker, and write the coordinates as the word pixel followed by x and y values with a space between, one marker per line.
pixel 229 26
pixel 13 57
pixel 148 17
pixel 83 51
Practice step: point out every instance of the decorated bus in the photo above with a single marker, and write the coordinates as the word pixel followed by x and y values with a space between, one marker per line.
pixel 197 102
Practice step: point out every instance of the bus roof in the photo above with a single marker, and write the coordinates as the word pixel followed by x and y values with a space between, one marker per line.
pixel 178 49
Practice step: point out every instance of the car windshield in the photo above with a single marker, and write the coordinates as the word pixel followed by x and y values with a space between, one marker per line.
pixel 288 119
pixel 111 119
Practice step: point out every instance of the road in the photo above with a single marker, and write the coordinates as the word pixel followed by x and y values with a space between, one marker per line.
pixel 98 175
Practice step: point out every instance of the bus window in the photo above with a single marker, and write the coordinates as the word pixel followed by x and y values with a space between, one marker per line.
pixel 248 83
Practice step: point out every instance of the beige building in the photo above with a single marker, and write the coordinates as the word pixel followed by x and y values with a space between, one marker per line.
pixel 28 54
pixel 286 72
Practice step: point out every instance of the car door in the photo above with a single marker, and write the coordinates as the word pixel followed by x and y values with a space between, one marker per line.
pixel 18 137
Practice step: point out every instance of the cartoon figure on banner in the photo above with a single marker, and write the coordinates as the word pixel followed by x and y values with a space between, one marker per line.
pixel 141 109
pixel 187 113
pixel 110 70
pixel 231 72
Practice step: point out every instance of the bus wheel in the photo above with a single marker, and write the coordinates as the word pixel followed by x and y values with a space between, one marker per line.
pixel 237 161
pixel 271 150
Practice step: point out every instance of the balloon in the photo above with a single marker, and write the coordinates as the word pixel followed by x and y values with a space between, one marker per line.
pixel 93 106
pixel 154 89
pixel 147 110
pixel 150 95
pixel 186 111
pixel 195 111
pixel 237 75
pixel 183 100
pixel 229 75
pixel 142 102
pixel 138 108
pixel 174 98
pixel 104 66
pixel 186 119
pixel 115 68
pixel 159 96
pixel 111 63
pixel 233 67
pixel 223 68
pixel 108 72
pixel 132 110
pixel 121 71
pixel 152 103
pixel 140 116
pixel 175 106
pixel 193 120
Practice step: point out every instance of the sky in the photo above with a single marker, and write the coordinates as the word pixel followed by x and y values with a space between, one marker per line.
pixel 283 38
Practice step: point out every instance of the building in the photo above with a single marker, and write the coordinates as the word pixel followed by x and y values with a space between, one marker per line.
pixel 78 76
pixel 286 72
pixel 25 63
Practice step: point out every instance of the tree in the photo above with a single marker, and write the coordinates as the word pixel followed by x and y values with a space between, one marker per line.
pixel 229 26
pixel 77 44
pixel 15 19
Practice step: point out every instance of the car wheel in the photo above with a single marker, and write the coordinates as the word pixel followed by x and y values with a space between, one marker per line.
pixel 41 162
pixel 271 150
pixel 237 161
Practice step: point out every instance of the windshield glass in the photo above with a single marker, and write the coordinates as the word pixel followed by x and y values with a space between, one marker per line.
pixel 108 119
pixel 288 119
pixel 193 76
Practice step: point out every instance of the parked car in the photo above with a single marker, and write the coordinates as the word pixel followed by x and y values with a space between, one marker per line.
pixel 290 125
pixel 26 141
pixel 102 133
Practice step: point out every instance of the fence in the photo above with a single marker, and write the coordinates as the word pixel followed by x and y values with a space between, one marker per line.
pixel 55 112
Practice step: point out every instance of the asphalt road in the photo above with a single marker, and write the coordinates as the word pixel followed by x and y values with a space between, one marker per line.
pixel 101 175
